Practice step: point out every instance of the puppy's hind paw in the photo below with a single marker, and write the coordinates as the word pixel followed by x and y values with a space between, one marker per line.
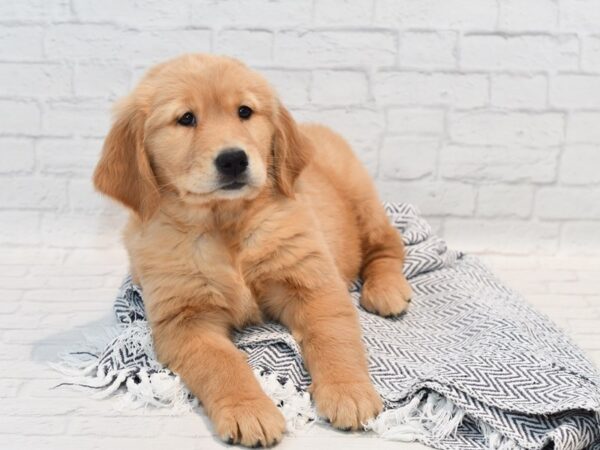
pixel 386 294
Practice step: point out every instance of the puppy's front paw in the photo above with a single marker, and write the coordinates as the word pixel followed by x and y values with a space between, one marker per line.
pixel 252 423
pixel 347 405
pixel 386 294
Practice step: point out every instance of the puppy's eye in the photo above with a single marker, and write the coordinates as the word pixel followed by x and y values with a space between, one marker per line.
pixel 244 112
pixel 187 120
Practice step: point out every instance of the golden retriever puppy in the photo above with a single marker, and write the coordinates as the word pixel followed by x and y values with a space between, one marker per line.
pixel 240 215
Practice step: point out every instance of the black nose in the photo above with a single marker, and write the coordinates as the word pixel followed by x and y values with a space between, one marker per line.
pixel 232 162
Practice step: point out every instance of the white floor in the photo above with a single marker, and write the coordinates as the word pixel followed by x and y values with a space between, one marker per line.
pixel 50 297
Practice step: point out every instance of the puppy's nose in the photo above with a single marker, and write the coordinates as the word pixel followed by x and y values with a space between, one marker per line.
pixel 232 162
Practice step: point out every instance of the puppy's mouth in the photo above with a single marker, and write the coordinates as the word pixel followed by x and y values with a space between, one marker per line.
pixel 233 185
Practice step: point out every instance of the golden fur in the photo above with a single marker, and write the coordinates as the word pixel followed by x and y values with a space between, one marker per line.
pixel 284 247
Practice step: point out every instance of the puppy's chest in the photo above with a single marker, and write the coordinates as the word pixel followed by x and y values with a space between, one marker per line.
pixel 246 254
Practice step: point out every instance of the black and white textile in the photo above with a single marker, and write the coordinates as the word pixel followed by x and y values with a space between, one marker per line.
pixel 469 366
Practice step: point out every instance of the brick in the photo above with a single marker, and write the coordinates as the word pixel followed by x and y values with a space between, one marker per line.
pixel 8 307
pixel 22 43
pixel 150 47
pixel 505 201
pixel 153 14
pixel 506 128
pixel 251 46
pixel 80 117
pixel 568 203
pixel 595 358
pixel 521 53
pixel 408 158
pixel 335 48
pixel 35 10
pixel 527 16
pixel 101 80
pixel 16 155
pixel 19 227
pixel 132 427
pixel 189 425
pixel 558 300
pixel 481 164
pixel 585 326
pixel 575 91
pixel 432 198
pixel 424 49
pixel 78 231
pixel 579 165
pixel 9 388
pixel 362 128
pixel 32 192
pixel 68 269
pixel 14 353
pixel 572 263
pixel 83 257
pixel 587 342
pixel 339 87
pixel 106 295
pixel 29 256
pixel 86 41
pixel 19 117
pixel 581 238
pixel 355 12
pixel 590 53
pixel 83 197
pixel 415 121
pixel 588 273
pixel 519 91
pixel 89 41
pixel 579 15
pixel 216 13
pixel 291 85
pixel 417 88
pixel 11 296
pixel 33 425
pixel 69 156
pixel 493 236
pixel 583 127
pixel 462 14
pixel 34 80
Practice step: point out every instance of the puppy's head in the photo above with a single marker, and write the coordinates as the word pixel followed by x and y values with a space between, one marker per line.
pixel 201 129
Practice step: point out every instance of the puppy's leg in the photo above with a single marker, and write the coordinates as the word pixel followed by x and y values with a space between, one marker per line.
pixel 325 323
pixel 216 372
pixel 385 291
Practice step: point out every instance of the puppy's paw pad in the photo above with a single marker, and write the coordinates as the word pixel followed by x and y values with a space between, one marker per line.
pixel 386 294
pixel 251 423
pixel 347 405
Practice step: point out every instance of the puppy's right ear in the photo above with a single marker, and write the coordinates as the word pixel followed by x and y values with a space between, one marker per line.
pixel 124 172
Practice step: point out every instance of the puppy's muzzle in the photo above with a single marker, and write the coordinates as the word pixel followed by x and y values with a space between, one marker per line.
pixel 232 162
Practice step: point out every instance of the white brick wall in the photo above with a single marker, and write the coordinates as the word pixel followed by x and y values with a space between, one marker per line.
pixel 485 113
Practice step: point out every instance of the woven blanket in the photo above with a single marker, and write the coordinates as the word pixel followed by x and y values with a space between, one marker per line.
pixel 469 366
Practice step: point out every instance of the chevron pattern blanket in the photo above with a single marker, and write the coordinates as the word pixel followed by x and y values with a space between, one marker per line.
pixel 469 366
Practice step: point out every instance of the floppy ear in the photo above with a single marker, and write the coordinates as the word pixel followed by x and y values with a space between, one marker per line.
pixel 124 172
pixel 291 152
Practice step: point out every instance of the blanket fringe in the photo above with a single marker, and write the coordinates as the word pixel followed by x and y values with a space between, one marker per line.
pixel 139 387
pixel 495 440
pixel 427 416
pixel 295 405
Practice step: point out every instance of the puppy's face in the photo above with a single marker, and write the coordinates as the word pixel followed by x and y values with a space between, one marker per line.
pixel 204 128
pixel 209 129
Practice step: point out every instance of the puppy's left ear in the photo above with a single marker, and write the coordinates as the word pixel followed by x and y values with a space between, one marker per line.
pixel 292 151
